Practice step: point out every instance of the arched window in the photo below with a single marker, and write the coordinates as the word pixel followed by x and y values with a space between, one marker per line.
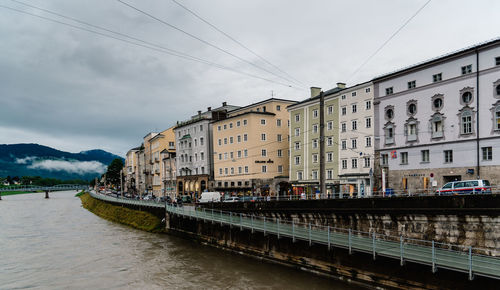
pixel 466 120
pixel 467 97
pixel 498 90
pixel 497 118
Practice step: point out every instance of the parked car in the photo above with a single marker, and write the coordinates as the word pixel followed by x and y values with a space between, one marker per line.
pixel 465 187
pixel 209 197
pixel 232 199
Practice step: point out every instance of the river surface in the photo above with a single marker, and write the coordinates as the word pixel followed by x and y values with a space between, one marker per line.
pixel 56 244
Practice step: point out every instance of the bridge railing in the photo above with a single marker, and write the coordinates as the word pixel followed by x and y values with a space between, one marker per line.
pixel 462 258
pixel 135 202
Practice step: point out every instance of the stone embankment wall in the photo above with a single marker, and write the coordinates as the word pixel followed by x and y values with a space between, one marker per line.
pixel 472 220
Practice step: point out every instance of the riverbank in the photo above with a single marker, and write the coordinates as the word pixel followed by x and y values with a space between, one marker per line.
pixel 137 219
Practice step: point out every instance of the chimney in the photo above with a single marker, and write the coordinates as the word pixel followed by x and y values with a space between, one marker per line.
pixel 224 104
pixel 209 109
pixel 341 85
pixel 315 91
pixel 199 113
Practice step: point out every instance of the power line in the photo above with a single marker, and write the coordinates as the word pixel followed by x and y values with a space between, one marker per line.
pixel 200 39
pixel 146 44
pixel 235 40
pixel 389 39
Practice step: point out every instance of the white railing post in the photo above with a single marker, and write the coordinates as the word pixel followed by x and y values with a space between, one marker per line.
pixel 241 222
pixel 278 225
pixel 310 242
pixel 230 219
pixel 328 230
pixel 373 245
pixel 401 248
pixel 470 264
pixel 251 221
pixel 293 231
pixel 434 269
pixel 213 217
pixel 350 241
pixel 220 211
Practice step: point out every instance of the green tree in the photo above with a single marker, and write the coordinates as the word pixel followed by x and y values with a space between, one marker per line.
pixel 113 172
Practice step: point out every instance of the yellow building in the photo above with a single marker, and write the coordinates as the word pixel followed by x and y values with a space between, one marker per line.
pixel 251 149
pixel 130 171
pixel 164 140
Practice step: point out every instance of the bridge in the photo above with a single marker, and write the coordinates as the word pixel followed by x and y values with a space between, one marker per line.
pixel 46 189
pixel 472 261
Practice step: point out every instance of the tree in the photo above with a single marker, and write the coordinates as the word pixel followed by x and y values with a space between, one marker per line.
pixel 113 172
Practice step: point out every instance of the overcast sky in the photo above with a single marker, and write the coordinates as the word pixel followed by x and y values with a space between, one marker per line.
pixel 75 90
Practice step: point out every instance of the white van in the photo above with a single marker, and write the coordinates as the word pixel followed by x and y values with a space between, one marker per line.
pixel 465 187
pixel 210 197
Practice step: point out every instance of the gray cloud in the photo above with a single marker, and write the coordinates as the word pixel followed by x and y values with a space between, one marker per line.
pixel 25 160
pixel 79 167
pixel 74 90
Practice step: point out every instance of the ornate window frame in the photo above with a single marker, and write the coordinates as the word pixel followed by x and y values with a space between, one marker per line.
pixel 473 121
pixel 434 135
pixel 408 104
pixel 462 92
pixel 437 96
pixel 387 108
pixel 392 140
pixel 411 121
pixel 494 109
pixel 496 89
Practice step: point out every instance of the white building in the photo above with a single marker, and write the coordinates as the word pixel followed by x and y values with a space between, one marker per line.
pixel 356 148
pixel 439 120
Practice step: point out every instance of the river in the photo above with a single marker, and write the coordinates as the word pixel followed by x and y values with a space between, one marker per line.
pixel 56 244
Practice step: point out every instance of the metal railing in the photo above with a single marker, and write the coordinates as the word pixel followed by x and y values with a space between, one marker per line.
pixel 59 187
pixel 474 261
pixel 136 202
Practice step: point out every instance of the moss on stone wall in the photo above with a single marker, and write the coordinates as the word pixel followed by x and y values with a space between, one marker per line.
pixel 134 218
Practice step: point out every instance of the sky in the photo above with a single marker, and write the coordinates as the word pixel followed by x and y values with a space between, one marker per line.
pixel 75 90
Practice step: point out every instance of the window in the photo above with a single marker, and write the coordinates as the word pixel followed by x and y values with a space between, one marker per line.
pixel 315 113
pixel 297 145
pixel 231 155
pixel 448 156
pixel 498 90
pixel 437 126
pixel 245 153
pixel 389 134
pixel 329 174
pixel 225 126
pixel 238 138
pixel 330 125
pixel 368 105
pixel 343 97
pixel 389 91
pixel 231 139
pixel 367 90
pixel 385 159
pixel 329 141
pixel 329 157
pixel 467 97
pixel 230 125
pixel 278 108
pixel 354 143
pixel 218 128
pixel 264 153
pixel 354 125
pixel 239 153
pixel 280 153
pixel 467 69
pixel 225 141
pixel 220 171
pixel 412 109
pixel 412 85
pixel 404 158
pixel 263 137
pixel 315 158
pixel 354 108
pixel 232 170
pixel 437 103
pixel 240 170
pixel 264 168
pixel 238 123
pixel 411 131
pixel 315 143
pixel 201 141
pixel 297 160
pixel 314 174
pixel 330 110
pixel 245 137
pixel 245 122
pixel 354 163
pixel 353 94
pixel 297 132
pixel 278 137
pixel 343 127
pixel 315 128
pixel 262 121
pixel 278 122
pixel 297 117
pixel 344 144
pixel 497 118
pixel 246 169
pixel 367 161
pixel 280 168
pixel 226 171
pixel 437 77
pixel 368 141
pixel 487 153
pixel 344 163
pixel 389 114
pixel 466 120
pixel 497 60
pixel 299 175
pixel 220 142
pixel 425 155
pixel 225 155
pixel 344 111
pixel 202 156
pixel 220 156
pixel 368 122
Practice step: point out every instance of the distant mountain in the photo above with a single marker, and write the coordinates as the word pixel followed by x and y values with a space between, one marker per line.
pixel 38 160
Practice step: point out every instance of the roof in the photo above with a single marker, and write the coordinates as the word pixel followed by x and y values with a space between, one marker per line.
pixel 263 102
pixel 440 58
pixel 247 113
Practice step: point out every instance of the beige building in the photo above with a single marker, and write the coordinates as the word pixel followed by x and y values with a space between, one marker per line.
pixel 130 171
pixel 147 171
pixel 251 149
pixel 164 140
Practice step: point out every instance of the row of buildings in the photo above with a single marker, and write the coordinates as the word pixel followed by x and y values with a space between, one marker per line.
pixel 413 129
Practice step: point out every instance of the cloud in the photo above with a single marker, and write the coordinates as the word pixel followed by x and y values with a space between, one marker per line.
pixel 25 160
pixel 78 167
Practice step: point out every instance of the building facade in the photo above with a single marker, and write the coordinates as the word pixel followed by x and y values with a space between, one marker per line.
pixel 169 173
pixel 194 160
pixel 148 173
pixel 439 121
pixel 164 140
pixel 251 149
pixel 356 147
pixel 130 171
pixel 305 142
